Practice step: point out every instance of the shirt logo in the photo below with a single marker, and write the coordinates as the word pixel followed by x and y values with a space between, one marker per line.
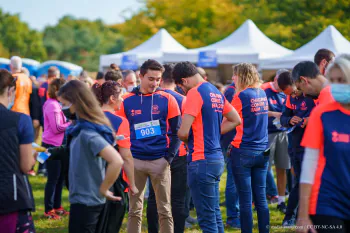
pixel 135 112
pixel 155 109
pixel 340 137
pixel 273 102
pixel 303 106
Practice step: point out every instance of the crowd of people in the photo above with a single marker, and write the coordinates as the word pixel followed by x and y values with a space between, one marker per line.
pixel 167 130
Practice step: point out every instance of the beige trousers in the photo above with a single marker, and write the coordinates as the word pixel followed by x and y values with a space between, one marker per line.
pixel 159 173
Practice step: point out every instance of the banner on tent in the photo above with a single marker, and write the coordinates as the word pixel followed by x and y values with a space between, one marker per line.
pixel 207 59
pixel 129 62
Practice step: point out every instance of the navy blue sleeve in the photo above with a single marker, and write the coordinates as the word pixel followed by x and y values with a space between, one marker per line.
pixel 229 93
pixel 287 114
pixel 175 142
pixel 25 130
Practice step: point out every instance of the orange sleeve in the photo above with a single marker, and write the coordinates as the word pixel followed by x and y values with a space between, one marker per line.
pixel 124 130
pixel 227 107
pixel 288 105
pixel 121 111
pixel 237 103
pixel 194 103
pixel 173 107
pixel 313 136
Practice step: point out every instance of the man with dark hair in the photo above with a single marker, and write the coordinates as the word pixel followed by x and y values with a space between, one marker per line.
pixel 322 59
pixel 178 170
pixel 201 128
pixel 129 80
pixel 311 82
pixel 151 112
pixel 294 116
pixel 113 75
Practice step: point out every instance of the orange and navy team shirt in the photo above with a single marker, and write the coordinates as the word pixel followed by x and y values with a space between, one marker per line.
pixel 121 128
pixel 226 138
pixel 207 105
pixel 325 96
pixel 24 88
pixel 251 104
pixel 43 94
pixel 160 106
pixel 276 101
pixel 328 131
pixel 300 106
pixel 180 99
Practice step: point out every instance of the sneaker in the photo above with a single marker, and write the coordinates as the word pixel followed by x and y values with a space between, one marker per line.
pixel 272 199
pixel 282 207
pixel 42 172
pixel 61 211
pixel 234 223
pixel 191 220
pixel 31 173
pixel 289 223
pixel 52 215
pixel 188 225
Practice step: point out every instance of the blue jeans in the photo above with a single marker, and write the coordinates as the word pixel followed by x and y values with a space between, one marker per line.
pixel 249 169
pixel 271 188
pixel 231 195
pixel 204 177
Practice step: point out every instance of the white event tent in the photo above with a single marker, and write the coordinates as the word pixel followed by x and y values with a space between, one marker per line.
pixel 246 44
pixel 154 48
pixel 330 39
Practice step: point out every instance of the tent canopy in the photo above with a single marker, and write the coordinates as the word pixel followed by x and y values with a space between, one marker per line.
pixel 65 68
pixel 31 65
pixel 154 48
pixel 246 44
pixel 330 39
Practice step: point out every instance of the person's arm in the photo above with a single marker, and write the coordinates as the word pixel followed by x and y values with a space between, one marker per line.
pixel 115 164
pixel 174 121
pixel 56 119
pixel 309 168
pixel 231 120
pixel 192 108
pixel 26 137
pixel 274 114
pixel 286 117
pixel 124 150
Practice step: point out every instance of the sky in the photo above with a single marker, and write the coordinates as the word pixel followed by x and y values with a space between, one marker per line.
pixel 40 13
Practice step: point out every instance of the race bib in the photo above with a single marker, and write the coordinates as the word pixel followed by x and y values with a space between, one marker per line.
pixel 147 129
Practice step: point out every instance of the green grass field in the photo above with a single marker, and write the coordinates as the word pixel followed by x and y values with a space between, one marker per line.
pixel 61 226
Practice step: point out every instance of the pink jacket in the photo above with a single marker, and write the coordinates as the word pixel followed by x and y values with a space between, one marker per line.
pixel 55 123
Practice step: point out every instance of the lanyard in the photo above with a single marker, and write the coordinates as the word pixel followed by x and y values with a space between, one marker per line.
pixel 151 106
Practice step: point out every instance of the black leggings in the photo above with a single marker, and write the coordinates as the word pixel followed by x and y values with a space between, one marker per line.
pixel 329 224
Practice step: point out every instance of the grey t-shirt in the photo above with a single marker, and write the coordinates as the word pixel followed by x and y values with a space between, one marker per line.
pixel 86 168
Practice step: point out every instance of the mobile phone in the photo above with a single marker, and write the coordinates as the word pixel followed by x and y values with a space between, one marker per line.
pixel 42 157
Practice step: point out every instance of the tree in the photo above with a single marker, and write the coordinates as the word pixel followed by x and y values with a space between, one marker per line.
pixel 81 41
pixel 18 39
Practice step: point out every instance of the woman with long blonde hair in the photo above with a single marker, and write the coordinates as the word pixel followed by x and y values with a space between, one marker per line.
pixel 91 146
pixel 248 157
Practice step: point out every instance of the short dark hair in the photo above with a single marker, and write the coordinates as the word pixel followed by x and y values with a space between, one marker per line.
pixel 167 76
pixel 55 86
pixel 305 68
pixel 113 75
pixel 184 70
pixel 284 80
pixel 323 54
pixel 99 75
pixel 151 64
pixel 6 80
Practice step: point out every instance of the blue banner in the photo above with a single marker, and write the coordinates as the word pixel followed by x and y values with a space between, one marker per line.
pixel 207 59
pixel 129 62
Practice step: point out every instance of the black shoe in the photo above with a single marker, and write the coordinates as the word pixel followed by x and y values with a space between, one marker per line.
pixel 282 207
pixel 222 203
